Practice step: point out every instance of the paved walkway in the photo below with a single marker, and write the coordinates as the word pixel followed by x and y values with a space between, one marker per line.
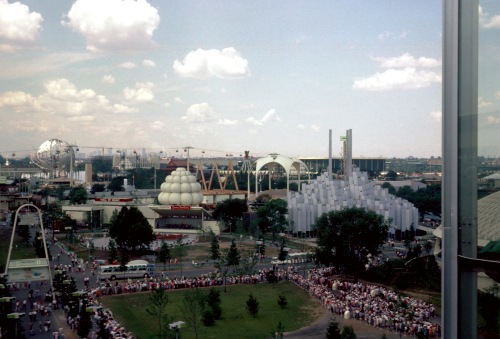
pixel 57 318
pixel 317 329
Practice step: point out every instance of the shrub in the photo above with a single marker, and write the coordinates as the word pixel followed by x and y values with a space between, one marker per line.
pixel 252 305
pixel 333 329
pixel 282 301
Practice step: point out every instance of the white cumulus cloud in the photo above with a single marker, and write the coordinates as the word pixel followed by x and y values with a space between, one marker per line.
pixel 407 78
pixel 390 35
pixel 127 65
pixel 482 102
pixel 407 60
pixel 158 126
pixel 199 113
pixel 402 72
pixel 16 99
pixel 17 23
pixel 488 21
pixel 436 115
pixel 148 63
pixel 114 25
pixel 270 116
pixel 225 64
pixel 491 120
pixel 142 93
pixel 227 122
pixel 108 79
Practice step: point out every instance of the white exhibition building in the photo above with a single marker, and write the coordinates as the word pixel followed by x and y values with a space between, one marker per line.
pixel 326 194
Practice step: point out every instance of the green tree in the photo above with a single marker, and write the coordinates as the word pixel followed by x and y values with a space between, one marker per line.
pixel 192 308
pixel 333 329
pixel 278 333
pixel 389 187
pixel 391 175
pixel 233 255
pixel 158 300
pixel 131 229
pixel 39 246
pixel 164 253
pixel 24 232
pixel 116 184
pixel 85 320
pixel 97 188
pixel 78 195
pixel 141 235
pixel 214 302
pixel 348 333
pixel 124 258
pixel 119 227
pixel 112 251
pixel 272 217
pixel 282 254
pixel 282 302
pixel 179 251
pixel 229 211
pixel 248 262
pixel 252 305
pixel 53 214
pixel 214 246
pixel 229 260
pixel 346 237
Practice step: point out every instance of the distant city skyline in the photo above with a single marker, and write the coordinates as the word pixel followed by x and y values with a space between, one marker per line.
pixel 230 76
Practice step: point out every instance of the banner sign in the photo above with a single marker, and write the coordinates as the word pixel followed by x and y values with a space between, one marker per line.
pixel 28 270
pixel 114 199
pixel 180 208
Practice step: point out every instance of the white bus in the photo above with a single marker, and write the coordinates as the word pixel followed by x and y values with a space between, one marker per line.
pixel 135 269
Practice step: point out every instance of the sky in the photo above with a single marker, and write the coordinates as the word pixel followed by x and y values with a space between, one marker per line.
pixel 228 76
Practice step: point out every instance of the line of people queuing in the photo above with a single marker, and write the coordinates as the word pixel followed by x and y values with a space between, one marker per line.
pixel 377 306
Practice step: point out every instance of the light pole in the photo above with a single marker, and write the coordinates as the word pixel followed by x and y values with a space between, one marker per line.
pixel 186 149
pixel 157 165
pixel 71 161
pixel 176 327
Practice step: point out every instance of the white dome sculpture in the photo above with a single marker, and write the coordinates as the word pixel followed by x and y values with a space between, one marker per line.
pixel 180 188
pixel 175 188
pixel 175 199
pixel 185 187
pixel 186 199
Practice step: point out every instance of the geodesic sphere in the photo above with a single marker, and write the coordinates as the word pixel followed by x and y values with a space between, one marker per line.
pixel 54 154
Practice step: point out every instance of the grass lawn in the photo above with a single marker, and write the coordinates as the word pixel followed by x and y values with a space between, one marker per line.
pixel 19 249
pixel 301 310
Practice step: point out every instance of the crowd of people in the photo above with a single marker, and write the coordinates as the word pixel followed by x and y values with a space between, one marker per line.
pixel 375 305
